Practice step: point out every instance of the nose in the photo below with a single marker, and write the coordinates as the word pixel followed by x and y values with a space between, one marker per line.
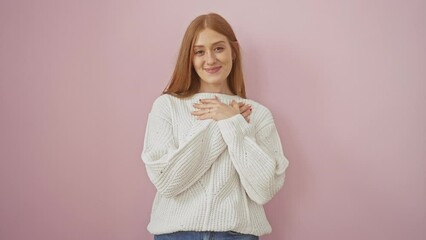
pixel 210 58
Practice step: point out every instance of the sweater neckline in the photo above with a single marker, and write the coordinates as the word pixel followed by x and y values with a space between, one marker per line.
pixel 220 95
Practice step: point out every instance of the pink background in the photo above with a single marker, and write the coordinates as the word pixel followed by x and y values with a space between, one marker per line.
pixel 345 81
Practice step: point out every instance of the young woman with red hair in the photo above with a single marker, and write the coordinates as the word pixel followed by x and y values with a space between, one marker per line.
pixel 214 156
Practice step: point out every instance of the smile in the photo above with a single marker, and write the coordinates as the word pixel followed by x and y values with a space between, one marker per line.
pixel 212 70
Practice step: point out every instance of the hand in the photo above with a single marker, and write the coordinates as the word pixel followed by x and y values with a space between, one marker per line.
pixel 214 109
pixel 245 110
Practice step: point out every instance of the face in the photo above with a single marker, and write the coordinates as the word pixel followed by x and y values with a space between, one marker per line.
pixel 212 60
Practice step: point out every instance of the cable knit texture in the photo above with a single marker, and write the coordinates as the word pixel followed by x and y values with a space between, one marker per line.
pixel 211 175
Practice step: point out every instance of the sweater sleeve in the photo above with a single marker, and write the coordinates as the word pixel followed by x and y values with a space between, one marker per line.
pixel 174 166
pixel 257 155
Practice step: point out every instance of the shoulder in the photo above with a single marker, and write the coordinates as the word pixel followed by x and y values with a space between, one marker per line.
pixel 165 98
pixel 164 101
pixel 168 105
pixel 261 114
pixel 162 105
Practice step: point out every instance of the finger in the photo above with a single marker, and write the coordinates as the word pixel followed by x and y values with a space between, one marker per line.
pixel 246 113
pixel 234 104
pixel 197 113
pixel 245 108
pixel 202 99
pixel 204 117
pixel 204 105
pixel 210 100
pixel 200 112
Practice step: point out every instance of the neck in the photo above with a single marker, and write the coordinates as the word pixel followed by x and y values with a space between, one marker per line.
pixel 215 89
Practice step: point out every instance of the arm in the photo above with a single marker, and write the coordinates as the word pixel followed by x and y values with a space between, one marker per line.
pixel 257 156
pixel 174 167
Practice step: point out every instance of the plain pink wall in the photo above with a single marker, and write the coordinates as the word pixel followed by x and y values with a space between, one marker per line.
pixel 345 81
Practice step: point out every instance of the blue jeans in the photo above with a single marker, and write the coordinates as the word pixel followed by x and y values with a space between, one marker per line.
pixel 230 235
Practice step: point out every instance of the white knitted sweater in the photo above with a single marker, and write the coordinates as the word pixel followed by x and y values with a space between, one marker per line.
pixel 211 175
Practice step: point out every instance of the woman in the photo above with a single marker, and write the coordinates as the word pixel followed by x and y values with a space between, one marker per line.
pixel 214 157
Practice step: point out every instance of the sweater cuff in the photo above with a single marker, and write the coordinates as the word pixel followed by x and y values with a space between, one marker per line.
pixel 235 127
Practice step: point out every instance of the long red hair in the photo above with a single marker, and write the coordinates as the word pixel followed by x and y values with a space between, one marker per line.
pixel 185 81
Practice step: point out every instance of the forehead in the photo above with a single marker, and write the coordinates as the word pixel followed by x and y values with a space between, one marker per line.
pixel 208 37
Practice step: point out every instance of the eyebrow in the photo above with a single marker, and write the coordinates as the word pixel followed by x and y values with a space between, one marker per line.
pixel 212 44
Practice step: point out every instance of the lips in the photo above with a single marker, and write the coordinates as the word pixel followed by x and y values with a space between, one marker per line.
pixel 213 69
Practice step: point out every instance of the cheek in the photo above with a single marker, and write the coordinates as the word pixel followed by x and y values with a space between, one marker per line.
pixel 227 57
pixel 196 63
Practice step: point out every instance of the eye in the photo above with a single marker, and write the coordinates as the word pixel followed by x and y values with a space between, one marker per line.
pixel 199 52
pixel 219 49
